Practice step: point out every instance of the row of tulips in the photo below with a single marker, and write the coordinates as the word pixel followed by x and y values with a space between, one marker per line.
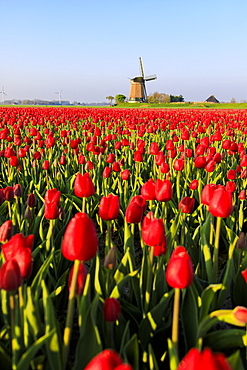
pixel 136 219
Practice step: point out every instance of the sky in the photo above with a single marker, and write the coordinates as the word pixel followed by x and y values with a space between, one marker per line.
pixel 89 50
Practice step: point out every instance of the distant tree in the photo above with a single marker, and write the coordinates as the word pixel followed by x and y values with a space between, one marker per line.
pixel 120 98
pixel 233 101
pixel 110 98
pixel 157 97
pixel 176 98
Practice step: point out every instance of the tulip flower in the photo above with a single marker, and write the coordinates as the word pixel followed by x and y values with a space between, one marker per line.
pixel 6 230
pixel 14 161
pixel 179 272
pixel 107 172
pixel 17 190
pixel 109 207
pixel 138 156
pixel 111 309
pixel 207 193
pixel 242 194
pixel 178 164
pixel 230 186
pixel 80 239
pixel 163 190
pixel 148 190
pixel 52 204
pixel 125 174
pixel 8 193
pixel 107 360
pixel 81 278
pixel 153 231
pixel 186 205
pixel 134 211
pixel 31 200
pixel 220 204
pixel 204 360
pixel 10 276
pixel 83 186
pixel 194 184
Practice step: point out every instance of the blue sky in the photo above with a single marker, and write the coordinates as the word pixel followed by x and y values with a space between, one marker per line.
pixel 90 48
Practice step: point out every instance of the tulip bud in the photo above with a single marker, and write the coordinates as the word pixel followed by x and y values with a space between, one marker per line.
pixel 109 207
pixel 83 186
pixel 179 272
pixel 8 193
pixel 80 239
pixel 107 360
pixel 28 214
pixel 186 205
pixel 10 276
pixel 111 259
pixel 17 190
pixel 6 231
pixel 111 309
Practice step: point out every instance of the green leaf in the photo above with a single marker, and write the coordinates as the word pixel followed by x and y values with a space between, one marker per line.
pixel 207 298
pixel 54 343
pixel 130 352
pixel 189 316
pixel 235 361
pixel 28 356
pixel 221 340
pixel 89 343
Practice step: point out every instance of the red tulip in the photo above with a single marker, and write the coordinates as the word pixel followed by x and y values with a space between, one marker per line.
pixel 10 276
pixel 210 166
pixel 52 195
pixel 14 161
pixel 163 190
pixel 109 207
pixel 17 190
pixel 125 174
pixel 160 249
pixel 200 162
pixel 107 360
pixel 80 239
pixel 179 272
pixel 242 194
pixel 138 156
pixel 6 231
pixel 63 160
pixel 186 205
pixel 31 200
pixel 207 193
pixel 148 190
pixel 178 164
pixel 154 148
pixel 194 184
pixel 81 278
pixel 83 186
pixel 111 309
pixel 8 193
pixel 231 175
pixel 107 172
pixel 205 360
pixel 153 231
pixel 116 167
pixel 220 205
pixel 231 186
pixel 110 158
pixel 134 211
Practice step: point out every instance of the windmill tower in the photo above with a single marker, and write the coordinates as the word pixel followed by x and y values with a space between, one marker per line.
pixel 138 92
pixel 3 93
pixel 59 97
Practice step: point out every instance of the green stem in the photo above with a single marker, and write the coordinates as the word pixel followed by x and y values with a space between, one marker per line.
pixel 70 313
pixel 216 249
pixel 13 339
pixel 83 205
pixel 175 319
pixel 108 242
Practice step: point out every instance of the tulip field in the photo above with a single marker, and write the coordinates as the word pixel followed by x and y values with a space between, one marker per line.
pixel 123 239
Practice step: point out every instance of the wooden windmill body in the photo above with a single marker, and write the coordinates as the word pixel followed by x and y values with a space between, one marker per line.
pixel 138 92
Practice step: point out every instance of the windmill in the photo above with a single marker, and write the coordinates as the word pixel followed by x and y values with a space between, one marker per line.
pixel 59 97
pixel 3 93
pixel 138 92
